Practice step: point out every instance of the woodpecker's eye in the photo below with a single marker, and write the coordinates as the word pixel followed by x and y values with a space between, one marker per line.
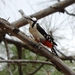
pixel 31 16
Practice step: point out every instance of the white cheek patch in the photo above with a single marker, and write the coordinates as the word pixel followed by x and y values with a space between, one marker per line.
pixel 34 19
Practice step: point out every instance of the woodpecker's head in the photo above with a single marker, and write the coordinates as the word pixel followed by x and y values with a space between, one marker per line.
pixel 31 19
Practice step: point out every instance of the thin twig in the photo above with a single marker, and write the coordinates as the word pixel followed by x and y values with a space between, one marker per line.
pixel 19 49
pixel 25 61
pixel 8 56
pixel 7 50
pixel 21 12
pixel 37 69
pixel 69 13
pixel 60 52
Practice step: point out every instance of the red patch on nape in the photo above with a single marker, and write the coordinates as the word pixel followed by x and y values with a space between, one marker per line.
pixel 47 43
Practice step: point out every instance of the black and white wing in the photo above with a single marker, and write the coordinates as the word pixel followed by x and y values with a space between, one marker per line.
pixel 41 30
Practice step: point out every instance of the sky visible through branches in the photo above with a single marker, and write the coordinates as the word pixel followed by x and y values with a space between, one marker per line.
pixel 61 25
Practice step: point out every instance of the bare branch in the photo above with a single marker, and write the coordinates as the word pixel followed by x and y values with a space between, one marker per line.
pixel 7 50
pixel 45 12
pixel 63 57
pixel 8 56
pixel 37 69
pixel 25 61
pixel 69 13
pixel 21 12
pixel 6 26
pixel 19 49
pixel 68 58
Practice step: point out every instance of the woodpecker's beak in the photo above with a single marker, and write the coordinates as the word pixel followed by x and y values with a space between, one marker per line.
pixel 26 17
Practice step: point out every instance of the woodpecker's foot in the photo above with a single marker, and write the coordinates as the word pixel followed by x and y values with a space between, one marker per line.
pixel 33 44
pixel 54 52
pixel 39 45
pixel 36 45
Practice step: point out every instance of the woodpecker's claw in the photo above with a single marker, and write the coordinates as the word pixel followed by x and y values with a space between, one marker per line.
pixel 36 45
pixel 54 52
pixel 39 45
pixel 33 44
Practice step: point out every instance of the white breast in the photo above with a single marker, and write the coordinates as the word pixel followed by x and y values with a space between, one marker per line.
pixel 36 34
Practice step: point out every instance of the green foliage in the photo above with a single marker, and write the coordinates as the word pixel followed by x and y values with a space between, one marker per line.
pixel 28 68
pixel 14 50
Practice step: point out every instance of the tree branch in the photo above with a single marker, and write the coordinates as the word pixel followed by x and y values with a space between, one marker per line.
pixel 45 12
pixel 37 69
pixel 66 11
pixel 69 13
pixel 26 47
pixel 8 56
pixel 59 64
pixel 26 61
pixel 19 49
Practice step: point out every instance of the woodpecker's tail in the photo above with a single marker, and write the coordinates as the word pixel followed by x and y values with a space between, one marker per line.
pixel 54 52
pixel 54 43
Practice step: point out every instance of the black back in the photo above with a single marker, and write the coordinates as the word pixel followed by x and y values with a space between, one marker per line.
pixel 42 31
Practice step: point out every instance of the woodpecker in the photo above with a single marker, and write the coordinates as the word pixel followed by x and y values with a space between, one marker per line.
pixel 40 34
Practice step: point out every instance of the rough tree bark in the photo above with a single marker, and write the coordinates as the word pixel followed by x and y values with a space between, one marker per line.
pixel 69 58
